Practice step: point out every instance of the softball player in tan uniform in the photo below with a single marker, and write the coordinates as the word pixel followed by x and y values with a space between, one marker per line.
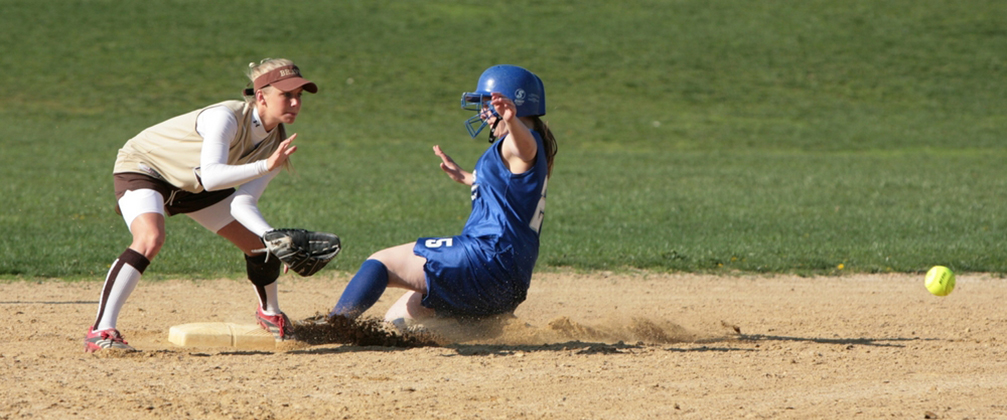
pixel 211 164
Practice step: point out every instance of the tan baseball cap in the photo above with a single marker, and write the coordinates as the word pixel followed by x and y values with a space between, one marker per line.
pixel 286 79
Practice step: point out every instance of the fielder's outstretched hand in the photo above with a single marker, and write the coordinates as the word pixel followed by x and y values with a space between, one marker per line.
pixel 451 168
pixel 282 153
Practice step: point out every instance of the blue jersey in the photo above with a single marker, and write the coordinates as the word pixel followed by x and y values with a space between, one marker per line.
pixel 507 209
pixel 487 269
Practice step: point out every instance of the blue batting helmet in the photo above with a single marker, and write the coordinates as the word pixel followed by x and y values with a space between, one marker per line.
pixel 516 83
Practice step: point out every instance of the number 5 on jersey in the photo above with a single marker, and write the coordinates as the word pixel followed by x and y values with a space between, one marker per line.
pixel 437 243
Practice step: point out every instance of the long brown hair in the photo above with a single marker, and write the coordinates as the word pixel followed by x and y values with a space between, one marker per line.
pixel 547 140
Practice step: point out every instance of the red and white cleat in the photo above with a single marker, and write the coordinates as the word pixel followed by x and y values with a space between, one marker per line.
pixel 278 325
pixel 104 339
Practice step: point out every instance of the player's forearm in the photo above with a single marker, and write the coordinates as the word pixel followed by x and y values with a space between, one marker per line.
pixel 245 210
pixel 218 176
pixel 467 178
pixel 245 206
pixel 218 127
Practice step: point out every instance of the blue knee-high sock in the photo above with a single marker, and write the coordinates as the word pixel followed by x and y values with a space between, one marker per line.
pixel 363 291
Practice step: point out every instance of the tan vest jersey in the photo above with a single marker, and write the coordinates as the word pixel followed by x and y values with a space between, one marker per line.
pixel 170 150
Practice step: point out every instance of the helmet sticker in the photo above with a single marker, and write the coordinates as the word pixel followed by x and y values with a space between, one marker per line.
pixel 519 97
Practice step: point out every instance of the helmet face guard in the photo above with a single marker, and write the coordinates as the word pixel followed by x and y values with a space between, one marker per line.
pixel 517 84
pixel 479 103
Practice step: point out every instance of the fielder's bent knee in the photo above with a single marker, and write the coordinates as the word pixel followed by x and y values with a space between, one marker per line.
pixel 262 270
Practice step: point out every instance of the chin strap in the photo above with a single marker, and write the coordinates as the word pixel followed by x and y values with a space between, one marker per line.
pixel 493 130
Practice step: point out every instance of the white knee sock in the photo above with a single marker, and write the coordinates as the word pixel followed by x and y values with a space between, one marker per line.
pixel 119 283
pixel 268 299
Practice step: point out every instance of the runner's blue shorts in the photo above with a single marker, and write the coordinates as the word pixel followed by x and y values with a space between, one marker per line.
pixel 470 277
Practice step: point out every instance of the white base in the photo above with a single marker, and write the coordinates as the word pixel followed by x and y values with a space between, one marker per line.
pixel 221 334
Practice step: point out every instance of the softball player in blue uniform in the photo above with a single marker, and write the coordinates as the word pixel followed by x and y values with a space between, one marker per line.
pixel 487 269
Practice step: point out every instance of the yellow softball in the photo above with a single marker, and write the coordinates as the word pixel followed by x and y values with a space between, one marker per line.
pixel 940 280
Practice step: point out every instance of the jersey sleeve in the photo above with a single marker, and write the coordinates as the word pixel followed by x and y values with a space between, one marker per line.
pixel 218 126
pixel 245 206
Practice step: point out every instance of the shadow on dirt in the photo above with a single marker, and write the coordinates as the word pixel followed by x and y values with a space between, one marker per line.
pixel 500 336
pixel 863 341
pixel 507 335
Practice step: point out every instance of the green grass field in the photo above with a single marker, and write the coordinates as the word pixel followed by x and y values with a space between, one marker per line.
pixel 815 137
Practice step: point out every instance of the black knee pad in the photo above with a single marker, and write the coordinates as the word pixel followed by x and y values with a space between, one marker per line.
pixel 262 270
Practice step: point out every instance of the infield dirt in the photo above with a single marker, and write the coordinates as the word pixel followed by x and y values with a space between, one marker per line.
pixel 583 346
